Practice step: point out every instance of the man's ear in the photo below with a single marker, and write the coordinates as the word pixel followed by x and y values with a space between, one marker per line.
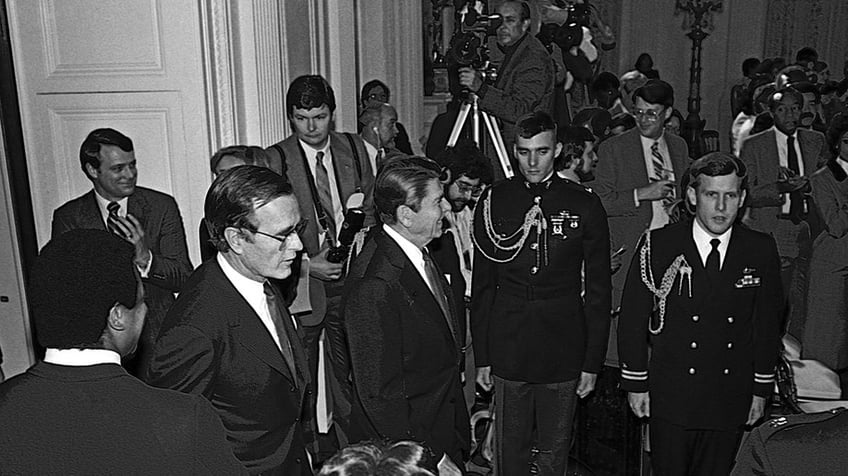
pixel 691 195
pixel 91 171
pixel 557 149
pixel 667 114
pixel 235 238
pixel 117 318
pixel 742 198
pixel 446 176
pixel 404 215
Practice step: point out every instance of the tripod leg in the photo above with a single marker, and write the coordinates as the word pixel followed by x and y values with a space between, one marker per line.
pixel 497 140
pixel 457 125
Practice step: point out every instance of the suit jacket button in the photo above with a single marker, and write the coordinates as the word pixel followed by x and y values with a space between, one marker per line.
pixel 534 270
pixel 691 370
pixel 726 371
pixel 730 320
pixel 730 345
pixel 695 318
pixel 534 246
pixel 693 345
pixel 293 389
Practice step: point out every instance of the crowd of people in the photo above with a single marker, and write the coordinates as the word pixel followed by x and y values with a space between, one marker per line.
pixel 354 297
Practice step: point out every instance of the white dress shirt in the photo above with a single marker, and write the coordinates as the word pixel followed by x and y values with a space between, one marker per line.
pixel 702 242
pixel 411 251
pixel 253 292
pixel 337 213
pixel 372 155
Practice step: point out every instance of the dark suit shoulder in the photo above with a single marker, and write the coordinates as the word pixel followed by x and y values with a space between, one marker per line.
pixel 206 290
pixel 72 206
pixel 154 197
pixel 760 137
pixel 803 424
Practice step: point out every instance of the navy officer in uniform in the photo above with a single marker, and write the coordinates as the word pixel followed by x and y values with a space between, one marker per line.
pixel 536 339
pixel 700 325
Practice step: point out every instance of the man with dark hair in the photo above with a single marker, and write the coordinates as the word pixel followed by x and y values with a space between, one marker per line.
pixel 700 325
pixel 605 90
pixel 636 177
pixel 325 169
pixel 229 337
pixel 402 323
pixel 148 219
pixel 526 77
pixel 376 92
pixel 578 159
pixel 78 411
pixel 538 339
pixel 780 160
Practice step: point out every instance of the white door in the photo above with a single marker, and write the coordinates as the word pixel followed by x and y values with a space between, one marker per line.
pixel 135 66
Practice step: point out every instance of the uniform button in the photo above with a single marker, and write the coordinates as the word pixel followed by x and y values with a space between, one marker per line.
pixel 726 371
pixel 693 345
pixel 730 345
pixel 730 319
pixel 534 270
pixel 293 389
pixel 297 460
pixel 691 370
pixel 696 317
pixel 534 246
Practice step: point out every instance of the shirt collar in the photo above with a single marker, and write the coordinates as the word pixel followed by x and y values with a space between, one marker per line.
pixel 372 151
pixel 781 136
pixel 81 357
pixel 649 142
pixel 702 241
pixel 842 163
pixel 102 203
pixel 413 252
pixel 311 152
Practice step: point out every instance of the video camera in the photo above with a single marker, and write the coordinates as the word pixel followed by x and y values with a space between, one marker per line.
pixel 469 44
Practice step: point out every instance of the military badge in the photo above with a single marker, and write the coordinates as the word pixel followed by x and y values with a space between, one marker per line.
pixel 562 220
pixel 556 225
pixel 748 280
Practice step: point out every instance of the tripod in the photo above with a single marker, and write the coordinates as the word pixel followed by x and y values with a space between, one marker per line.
pixel 491 128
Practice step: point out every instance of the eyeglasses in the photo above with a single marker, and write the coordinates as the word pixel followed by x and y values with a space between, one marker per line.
pixel 379 97
pixel 474 190
pixel 283 239
pixel 648 115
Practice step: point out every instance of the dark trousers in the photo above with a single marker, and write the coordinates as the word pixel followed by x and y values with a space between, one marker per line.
pixel 680 451
pixel 533 423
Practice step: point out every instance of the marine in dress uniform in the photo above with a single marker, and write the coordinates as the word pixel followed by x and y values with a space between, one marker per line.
pixel 700 326
pixel 797 444
pixel 532 332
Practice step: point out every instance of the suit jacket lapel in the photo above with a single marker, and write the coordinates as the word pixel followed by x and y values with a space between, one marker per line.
pixel 90 216
pixel 343 165
pixel 807 154
pixel 640 173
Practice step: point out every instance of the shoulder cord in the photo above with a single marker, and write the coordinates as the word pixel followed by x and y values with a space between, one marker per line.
pixel 534 217
pixel 678 266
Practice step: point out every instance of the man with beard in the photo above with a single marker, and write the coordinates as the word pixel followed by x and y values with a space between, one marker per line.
pixel 700 326
pixel 578 159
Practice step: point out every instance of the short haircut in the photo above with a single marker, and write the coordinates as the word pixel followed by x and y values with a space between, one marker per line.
pixel 403 458
pixel 374 114
pixel 308 92
pixel 403 181
pixel 465 158
pixel 594 118
pixel 837 128
pixel 534 123
pixel 715 164
pixel 573 141
pixel 777 97
pixel 235 195
pixel 749 66
pixel 363 94
pixel 655 91
pixel 76 280
pixel 806 55
pixel 250 154
pixel 624 120
pixel 90 148
pixel 605 81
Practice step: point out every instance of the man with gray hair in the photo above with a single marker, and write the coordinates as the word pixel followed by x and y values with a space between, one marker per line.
pixel 379 129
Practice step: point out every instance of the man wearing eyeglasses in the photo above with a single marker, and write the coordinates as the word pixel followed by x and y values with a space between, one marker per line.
pixel 637 176
pixel 229 336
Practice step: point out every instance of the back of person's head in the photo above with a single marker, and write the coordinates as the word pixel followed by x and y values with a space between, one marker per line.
pixel 573 139
pixel 373 114
pixel 806 55
pixel 403 180
pixel 655 91
pixel 90 148
pixel 605 81
pixel 404 458
pixel 465 158
pixel 837 128
pixel 308 92
pixel 534 123
pixel 235 195
pixel 77 278
pixel 749 66
pixel 622 122
pixel 595 119
pixel 249 154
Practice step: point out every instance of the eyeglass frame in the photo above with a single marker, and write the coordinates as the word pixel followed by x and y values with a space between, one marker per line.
pixel 473 190
pixel 283 239
pixel 639 113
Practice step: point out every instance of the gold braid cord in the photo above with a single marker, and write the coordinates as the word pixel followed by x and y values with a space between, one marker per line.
pixel 678 266
pixel 534 218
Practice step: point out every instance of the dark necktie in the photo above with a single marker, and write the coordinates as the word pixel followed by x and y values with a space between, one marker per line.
pixel 435 280
pixel 381 155
pixel 713 260
pixel 796 199
pixel 112 219
pixel 322 183
pixel 277 317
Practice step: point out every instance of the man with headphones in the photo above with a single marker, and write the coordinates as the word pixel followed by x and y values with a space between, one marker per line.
pixel 379 129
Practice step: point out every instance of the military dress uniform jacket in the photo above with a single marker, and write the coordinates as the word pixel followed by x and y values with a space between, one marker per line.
pixel 529 319
pixel 797 444
pixel 716 348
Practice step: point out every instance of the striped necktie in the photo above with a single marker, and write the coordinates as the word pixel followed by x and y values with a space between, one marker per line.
pixel 112 219
pixel 322 183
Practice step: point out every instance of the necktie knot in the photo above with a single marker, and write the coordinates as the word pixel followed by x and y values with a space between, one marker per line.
pixel 655 147
pixel 113 207
pixel 319 157
pixel 715 242
pixel 269 293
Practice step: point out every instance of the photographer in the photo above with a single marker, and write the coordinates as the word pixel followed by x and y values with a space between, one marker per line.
pixel 525 80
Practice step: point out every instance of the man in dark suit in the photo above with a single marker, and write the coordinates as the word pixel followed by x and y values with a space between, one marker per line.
pixel 78 411
pixel 700 325
pixel 402 322
pixel 636 178
pixel 229 337
pixel 379 130
pixel 780 161
pixel 539 242
pixel 526 76
pixel 325 168
pixel 148 219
